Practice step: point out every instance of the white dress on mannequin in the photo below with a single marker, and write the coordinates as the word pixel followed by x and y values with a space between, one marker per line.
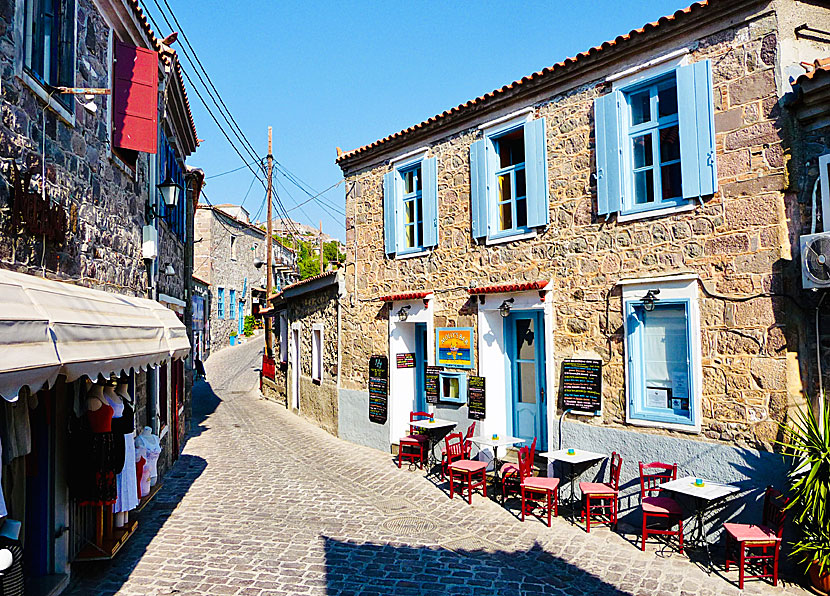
pixel 125 481
pixel 151 443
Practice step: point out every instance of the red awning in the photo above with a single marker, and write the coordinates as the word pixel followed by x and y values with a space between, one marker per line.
pixel 506 288
pixel 404 296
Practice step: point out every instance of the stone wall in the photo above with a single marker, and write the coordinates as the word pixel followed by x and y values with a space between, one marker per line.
pixel 738 242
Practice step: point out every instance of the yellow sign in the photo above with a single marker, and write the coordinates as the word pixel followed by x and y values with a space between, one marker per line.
pixel 454 346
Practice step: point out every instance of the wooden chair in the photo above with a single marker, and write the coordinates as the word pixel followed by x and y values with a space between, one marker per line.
pixel 468 448
pixel 657 507
pixel 744 539
pixel 533 486
pixel 465 470
pixel 511 478
pixel 414 446
pixel 604 496
pixel 446 458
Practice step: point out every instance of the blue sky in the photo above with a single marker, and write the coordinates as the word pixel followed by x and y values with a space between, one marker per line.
pixel 328 74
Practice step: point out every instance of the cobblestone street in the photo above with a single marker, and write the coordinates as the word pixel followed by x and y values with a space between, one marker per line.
pixel 262 503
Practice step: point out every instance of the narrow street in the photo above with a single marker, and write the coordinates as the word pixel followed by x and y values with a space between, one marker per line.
pixel 262 503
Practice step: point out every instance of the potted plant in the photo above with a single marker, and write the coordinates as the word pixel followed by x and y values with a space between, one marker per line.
pixel 233 337
pixel 807 440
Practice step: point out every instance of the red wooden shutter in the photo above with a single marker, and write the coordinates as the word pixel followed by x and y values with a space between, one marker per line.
pixel 135 98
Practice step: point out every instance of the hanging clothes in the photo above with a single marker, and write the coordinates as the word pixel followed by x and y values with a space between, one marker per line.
pixel 123 422
pixel 15 429
pixel 98 454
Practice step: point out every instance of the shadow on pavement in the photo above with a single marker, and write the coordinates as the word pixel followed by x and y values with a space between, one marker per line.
pixel 382 569
pixel 205 402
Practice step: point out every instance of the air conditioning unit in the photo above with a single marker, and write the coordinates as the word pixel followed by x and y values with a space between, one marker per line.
pixel 815 260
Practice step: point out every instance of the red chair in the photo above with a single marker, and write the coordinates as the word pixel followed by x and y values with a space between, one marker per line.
pixel 534 486
pixel 511 478
pixel 465 470
pixel 446 458
pixel 468 449
pixel 414 446
pixel 604 496
pixel 656 507
pixel 741 539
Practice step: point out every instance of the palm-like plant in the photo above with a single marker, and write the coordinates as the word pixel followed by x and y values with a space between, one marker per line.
pixel 808 442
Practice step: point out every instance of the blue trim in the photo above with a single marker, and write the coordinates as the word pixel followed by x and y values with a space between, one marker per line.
pixel 462 386
pixel 220 303
pixel 512 360
pixel 420 401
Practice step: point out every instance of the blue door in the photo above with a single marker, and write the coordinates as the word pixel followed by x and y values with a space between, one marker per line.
pixel 420 402
pixel 524 333
pixel 241 315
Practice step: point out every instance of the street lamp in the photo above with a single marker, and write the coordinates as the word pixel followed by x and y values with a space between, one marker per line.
pixel 169 192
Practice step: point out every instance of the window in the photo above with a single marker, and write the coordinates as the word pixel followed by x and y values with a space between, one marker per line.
pixel 233 248
pixel 317 352
pixel 233 304
pixel 220 303
pixel 49 46
pixel 169 167
pixel 663 356
pixel 410 207
pixel 453 387
pixel 656 143
pixel 509 188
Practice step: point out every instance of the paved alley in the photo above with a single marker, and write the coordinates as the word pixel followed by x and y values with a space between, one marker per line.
pixel 262 504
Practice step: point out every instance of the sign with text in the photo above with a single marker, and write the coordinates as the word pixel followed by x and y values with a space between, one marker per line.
pixel 476 398
pixel 378 389
pixel 432 388
pixel 406 360
pixel 582 385
pixel 454 346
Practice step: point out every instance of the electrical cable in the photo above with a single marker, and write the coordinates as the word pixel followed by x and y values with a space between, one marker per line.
pixel 235 169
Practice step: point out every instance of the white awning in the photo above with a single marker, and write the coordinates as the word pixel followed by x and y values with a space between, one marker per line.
pixel 49 328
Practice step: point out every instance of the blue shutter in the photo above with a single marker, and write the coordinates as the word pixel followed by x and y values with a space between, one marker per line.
pixel 609 170
pixel 390 206
pixel 478 188
pixel 429 200
pixel 536 173
pixel 696 113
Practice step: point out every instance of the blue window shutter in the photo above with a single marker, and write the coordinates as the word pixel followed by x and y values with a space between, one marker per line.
pixel 609 171
pixel 536 173
pixel 696 113
pixel 478 188
pixel 429 200
pixel 390 206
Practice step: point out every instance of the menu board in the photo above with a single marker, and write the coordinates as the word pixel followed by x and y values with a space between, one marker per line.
pixel 406 360
pixel 378 389
pixel 582 385
pixel 476 409
pixel 431 383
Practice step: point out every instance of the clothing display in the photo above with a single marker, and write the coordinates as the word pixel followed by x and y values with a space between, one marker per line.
pixel 15 430
pixel 141 473
pixel 98 455
pixel 123 423
pixel 151 443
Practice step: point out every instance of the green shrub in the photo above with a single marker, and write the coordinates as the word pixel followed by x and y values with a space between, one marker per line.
pixel 248 330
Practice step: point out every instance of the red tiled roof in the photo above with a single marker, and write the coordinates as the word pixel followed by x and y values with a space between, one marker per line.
pixel 404 296
pixel 566 63
pixel 505 288
pixel 145 24
pixel 819 67
pixel 308 280
pixel 200 280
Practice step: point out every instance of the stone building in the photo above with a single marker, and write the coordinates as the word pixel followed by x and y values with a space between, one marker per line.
pixel 81 219
pixel 638 206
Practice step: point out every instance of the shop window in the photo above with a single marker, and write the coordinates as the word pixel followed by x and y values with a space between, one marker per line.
pixel 410 198
pixel 317 353
pixel 49 44
pixel 656 143
pixel 453 387
pixel 663 357
pixel 220 302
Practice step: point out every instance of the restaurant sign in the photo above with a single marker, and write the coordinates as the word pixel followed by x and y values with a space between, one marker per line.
pixel 38 215
pixel 378 389
pixel 455 346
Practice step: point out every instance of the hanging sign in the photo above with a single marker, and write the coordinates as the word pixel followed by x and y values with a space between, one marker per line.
pixel 455 346
pixel 378 389
pixel 406 360
pixel 38 215
pixel 582 386
pixel 431 387
pixel 476 404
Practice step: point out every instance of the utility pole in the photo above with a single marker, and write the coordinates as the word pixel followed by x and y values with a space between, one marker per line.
pixel 269 352
pixel 321 246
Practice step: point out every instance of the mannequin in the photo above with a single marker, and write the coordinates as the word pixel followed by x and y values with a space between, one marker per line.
pixel 151 443
pixel 99 459
pixel 123 423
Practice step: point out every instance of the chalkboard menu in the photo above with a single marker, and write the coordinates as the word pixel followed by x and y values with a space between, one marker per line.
pixel 378 389
pixel 582 385
pixel 431 383
pixel 476 409
pixel 405 360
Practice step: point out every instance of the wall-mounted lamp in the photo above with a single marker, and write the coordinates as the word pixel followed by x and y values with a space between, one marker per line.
pixel 403 313
pixel 258 263
pixel 168 269
pixel 170 195
pixel 505 307
pixel 649 299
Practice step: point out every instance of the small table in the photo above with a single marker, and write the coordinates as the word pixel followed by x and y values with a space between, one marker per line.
pixel 430 427
pixel 704 497
pixel 580 456
pixel 489 441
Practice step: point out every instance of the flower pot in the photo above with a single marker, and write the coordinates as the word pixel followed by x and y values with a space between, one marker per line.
pixel 233 340
pixel 821 582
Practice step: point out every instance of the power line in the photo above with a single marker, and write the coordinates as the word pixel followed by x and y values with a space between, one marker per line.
pixel 235 169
